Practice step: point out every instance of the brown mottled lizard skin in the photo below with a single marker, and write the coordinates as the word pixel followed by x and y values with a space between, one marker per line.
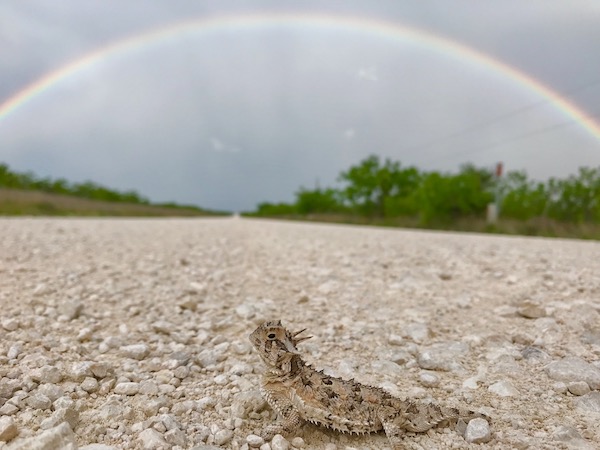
pixel 300 393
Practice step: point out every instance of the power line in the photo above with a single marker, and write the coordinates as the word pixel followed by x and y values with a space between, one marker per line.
pixel 499 118
pixel 521 137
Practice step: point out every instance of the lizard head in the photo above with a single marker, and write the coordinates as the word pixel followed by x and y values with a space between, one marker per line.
pixel 275 344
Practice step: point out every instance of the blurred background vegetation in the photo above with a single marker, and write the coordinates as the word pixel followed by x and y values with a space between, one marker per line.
pixel 372 192
pixel 383 192
pixel 27 194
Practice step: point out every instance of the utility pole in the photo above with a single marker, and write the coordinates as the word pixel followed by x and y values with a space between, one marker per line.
pixel 493 209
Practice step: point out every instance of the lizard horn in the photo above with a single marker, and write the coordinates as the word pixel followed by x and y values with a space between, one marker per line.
pixel 300 339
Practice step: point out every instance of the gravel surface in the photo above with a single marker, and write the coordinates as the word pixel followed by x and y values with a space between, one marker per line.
pixel 133 333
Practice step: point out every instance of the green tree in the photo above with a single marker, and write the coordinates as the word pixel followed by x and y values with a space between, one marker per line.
pixel 7 178
pixel 577 198
pixel 275 209
pixel 446 197
pixel 370 184
pixel 318 201
pixel 523 199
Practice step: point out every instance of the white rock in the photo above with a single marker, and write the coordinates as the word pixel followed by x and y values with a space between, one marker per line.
pixel 177 359
pixel 42 289
pixel 549 332
pixel 127 388
pixel 197 288
pixel 221 380
pixel 152 439
pixel 89 384
pixel 38 401
pixel 69 415
pixel 565 434
pixel 111 410
pixel 504 389
pixel 279 443
pixel 60 437
pixel 298 442
pixel 429 379
pixel 387 368
pixel 589 402
pixel 51 390
pixel 176 437
pixel 472 382
pixel 97 447
pixel 148 388
pixel 8 409
pixel 135 351
pixel 534 354
pixel 70 309
pixel 578 388
pixel 442 356
pixel 254 440
pixel 241 369
pixel 183 407
pixel 560 387
pixel 80 370
pixel 222 437
pixel 162 326
pixel 574 369
pixel 207 358
pixel 8 429
pixel 10 324
pixel 112 342
pixel 478 431
pixel 418 332
pixel 101 369
pixel 531 310
pixel 14 351
pixel 7 387
pixel 395 339
pixel 169 421
pixel 245 311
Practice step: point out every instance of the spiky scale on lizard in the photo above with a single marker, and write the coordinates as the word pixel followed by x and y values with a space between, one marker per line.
pixel 299 393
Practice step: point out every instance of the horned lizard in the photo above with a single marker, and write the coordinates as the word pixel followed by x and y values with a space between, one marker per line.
pixel 299 393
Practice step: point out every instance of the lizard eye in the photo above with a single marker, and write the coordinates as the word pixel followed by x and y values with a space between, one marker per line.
pixel 271 336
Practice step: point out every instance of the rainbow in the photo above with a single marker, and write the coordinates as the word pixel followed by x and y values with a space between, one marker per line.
pixel 249 22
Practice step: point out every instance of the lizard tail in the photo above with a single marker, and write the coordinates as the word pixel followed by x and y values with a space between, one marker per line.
pixel 428 415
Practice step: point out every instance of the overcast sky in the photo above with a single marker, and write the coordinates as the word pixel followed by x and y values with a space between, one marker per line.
pixel 237 116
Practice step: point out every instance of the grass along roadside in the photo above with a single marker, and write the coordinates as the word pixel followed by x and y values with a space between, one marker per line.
pixel 17 202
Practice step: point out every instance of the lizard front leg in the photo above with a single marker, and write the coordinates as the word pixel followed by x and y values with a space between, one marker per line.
pixel 289 420
pixel 393 431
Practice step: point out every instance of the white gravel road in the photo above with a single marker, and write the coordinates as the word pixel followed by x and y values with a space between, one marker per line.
pixel 132 333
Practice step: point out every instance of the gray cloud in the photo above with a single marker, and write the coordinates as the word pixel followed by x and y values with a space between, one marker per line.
pixel 230 119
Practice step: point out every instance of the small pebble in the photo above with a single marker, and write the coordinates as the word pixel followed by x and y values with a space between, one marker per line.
pixel 298 442
pixel 222 437
pixel 279 443
pixel 10 324
pixel 254 440
pixel 578 388
pixel 8 429
pixel 135 351
pixel 127 388
pixel 478 431
pixel 504 389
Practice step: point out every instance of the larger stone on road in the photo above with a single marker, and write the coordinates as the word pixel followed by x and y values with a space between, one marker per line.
pixel 574 369
pixel 60 437
pixel 442 356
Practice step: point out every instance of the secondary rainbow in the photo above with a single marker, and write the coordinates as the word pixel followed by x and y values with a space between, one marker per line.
pixel 331 23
